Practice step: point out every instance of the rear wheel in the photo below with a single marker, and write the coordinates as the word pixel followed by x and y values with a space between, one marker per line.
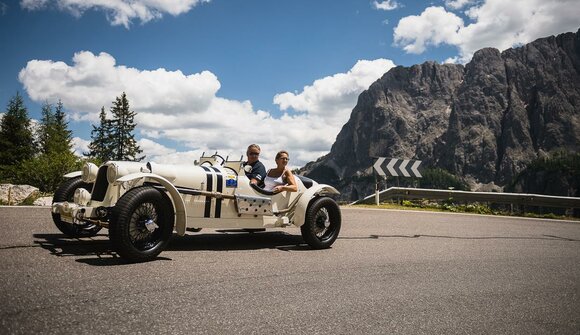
pixel 322 223
pixel 66 192
pixel 142 224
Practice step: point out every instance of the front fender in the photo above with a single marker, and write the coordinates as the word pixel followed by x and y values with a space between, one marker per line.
pixel 180 214
pixel 73 174
pixel 309 194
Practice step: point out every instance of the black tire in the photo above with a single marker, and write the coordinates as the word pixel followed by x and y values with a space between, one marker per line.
pixel 66 192
pixel 127 230
pixel 322 223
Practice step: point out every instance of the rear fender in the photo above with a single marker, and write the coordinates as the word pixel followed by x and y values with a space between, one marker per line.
pixel 180 215
pixel 311 193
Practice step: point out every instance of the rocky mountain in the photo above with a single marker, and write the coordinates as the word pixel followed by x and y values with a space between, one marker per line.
pixel 484 121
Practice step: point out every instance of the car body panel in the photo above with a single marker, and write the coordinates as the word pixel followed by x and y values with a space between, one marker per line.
pixel 209 194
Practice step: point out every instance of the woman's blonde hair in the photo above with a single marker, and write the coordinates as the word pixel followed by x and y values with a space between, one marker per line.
pixel 282 152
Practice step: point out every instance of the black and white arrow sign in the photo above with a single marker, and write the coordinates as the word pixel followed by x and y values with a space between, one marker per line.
pixel 397 167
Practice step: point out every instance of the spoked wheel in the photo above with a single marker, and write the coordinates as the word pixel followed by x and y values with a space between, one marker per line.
pixel 322 223
pixel 65 192
pixel 142 224
pixel 143 230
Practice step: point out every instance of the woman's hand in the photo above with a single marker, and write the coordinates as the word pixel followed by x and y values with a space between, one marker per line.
pixel 277 189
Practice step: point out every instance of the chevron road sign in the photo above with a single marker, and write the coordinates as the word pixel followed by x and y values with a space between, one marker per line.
pixel 397 167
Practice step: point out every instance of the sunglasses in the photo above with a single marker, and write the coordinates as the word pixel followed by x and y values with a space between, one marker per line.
pixel 253 154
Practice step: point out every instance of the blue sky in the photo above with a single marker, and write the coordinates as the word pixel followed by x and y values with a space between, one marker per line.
pixel 218 75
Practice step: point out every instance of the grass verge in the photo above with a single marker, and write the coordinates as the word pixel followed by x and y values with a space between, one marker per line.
pixel 474 208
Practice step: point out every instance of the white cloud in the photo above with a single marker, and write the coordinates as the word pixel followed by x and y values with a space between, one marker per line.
pixel 182 157
pixel 458 4
pixel 186 109
pixel 333 97
pixel 434 26
pixel 119 12
pixel 386 5
pixel 94 80
pixel 495 23
pixel 80 146
pixel 153 148
pixel 451 60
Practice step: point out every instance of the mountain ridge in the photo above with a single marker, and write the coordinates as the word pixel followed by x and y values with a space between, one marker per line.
pixel 484 121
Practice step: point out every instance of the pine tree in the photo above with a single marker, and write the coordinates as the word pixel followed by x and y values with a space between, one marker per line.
pixel 56 158
pixel 16 139
pixel 45 128
pixel 62 136
pixel 101 145
pixel 124 145
pixel 53 134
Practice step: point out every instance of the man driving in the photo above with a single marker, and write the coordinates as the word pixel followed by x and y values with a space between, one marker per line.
pixel 255 170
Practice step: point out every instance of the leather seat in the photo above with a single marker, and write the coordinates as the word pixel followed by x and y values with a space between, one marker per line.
pixel 305 180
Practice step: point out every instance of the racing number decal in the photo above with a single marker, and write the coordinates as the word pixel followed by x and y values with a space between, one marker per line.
pixel 218 206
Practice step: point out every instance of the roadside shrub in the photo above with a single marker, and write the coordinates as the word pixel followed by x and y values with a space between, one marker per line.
pixel 46 171
pixel 441 179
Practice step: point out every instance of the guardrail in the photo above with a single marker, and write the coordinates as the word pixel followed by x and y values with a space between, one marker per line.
pixel 492 197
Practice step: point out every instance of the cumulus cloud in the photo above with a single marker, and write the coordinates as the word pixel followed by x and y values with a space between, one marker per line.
pixel 154 148
pixel 386 5
pixel 494 23
pixel 80 146
pixel 458 4
pixel 119 12
pixel 186 108
pixel 434 26
pixel 94 80
pixel 333 97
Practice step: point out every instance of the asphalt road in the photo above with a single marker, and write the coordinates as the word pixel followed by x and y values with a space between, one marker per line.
pixel 389 272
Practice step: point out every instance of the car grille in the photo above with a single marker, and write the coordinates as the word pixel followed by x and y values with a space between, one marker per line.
pixel 101 185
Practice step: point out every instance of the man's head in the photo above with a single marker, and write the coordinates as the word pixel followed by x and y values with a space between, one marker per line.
pixel 253 153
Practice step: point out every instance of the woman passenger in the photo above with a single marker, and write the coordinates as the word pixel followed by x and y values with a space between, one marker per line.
pixel 280 178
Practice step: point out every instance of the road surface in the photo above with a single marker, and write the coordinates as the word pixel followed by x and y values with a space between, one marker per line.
pixel 389 272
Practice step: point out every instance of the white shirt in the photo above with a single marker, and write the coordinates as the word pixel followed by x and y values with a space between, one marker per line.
pixel 271 182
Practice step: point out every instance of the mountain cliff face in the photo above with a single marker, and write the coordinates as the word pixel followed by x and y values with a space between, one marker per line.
pixel 484 121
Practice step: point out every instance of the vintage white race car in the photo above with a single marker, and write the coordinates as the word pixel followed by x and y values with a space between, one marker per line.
pixel 143 203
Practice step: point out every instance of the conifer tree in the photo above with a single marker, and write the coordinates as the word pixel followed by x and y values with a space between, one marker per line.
pixel 16 139
pixel 101 146
pixel 53 134
pixel 124 145
pixel 62 136
pixel 45 128
pixel 56 158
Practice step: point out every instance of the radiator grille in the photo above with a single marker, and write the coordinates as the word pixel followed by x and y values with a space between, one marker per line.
pixel 101 185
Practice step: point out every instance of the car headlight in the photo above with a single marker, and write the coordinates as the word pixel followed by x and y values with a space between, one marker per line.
pixel 112 173
pixel 89 173
pixel 82 197
pixel 116 171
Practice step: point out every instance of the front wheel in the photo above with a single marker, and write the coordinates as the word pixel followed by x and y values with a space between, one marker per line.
pixel 65 192
pixel 142 224
pixel 322 223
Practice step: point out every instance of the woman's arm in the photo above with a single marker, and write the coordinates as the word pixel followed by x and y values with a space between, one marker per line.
pixel 291 183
